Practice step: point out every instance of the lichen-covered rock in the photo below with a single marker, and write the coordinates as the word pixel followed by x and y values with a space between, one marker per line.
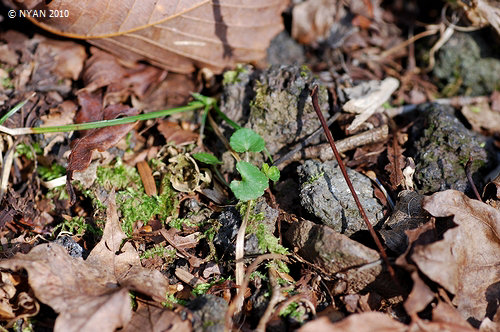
pixel 282 111
pixel 325 194
pixel 443 151
pixel 230 220
pixel 275 103
pixel 467 64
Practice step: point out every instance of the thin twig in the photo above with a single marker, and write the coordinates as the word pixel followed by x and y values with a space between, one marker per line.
pixel 275 299
pixel 299 146
pixel 314 95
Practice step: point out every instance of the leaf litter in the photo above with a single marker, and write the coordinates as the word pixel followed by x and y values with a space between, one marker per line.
pixel 163 261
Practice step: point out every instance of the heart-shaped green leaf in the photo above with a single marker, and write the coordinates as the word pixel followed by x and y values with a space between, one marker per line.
pixel 253 182
pixel 245 139
pixel 207 158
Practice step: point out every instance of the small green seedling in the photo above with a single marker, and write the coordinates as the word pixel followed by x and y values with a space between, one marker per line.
pixel 253 180
pixel 272 172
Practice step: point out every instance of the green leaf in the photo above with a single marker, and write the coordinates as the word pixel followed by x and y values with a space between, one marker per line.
pixel 253 182
pixel 272 172
pixel 207 158
pixel 245 139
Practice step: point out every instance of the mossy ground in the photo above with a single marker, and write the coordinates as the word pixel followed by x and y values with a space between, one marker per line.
pixel 133 204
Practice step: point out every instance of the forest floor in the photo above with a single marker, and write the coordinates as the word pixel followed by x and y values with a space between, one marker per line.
pixel 232 212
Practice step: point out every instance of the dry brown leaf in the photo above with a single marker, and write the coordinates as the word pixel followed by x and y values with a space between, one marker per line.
pixel 175 35
pixel 148 318
pixel 312 19
pixel 97 139
pixel 365 322
pixel 174 133
pixel 90 295
pixel 420 296
pixel 482 118
pixel 467 261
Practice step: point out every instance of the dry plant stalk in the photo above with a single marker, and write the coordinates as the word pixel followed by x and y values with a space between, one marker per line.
pixel 314 95
pixel 240 295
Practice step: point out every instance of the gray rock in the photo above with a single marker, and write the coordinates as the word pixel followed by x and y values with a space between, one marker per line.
pixel 282 111
pixel 325 194
pixel 73 248
pixel 443 151
pixel 468 59
pixel 208 313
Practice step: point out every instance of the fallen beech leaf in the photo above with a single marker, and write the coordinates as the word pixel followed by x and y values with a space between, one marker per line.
pixel 175 35
pixel 466 261
pixel 65 58
pixel 121 82
pixel 90 295
pixel 447 318
pixel 420 296
pixel 482 118
pixel 365 322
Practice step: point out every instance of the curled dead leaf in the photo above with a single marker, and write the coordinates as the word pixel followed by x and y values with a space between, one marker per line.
pixel 186 176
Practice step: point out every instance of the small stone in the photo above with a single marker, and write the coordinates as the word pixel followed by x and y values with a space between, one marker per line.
pixel 284 50
pixel 73 248
pixel 275 103
pixel 324 193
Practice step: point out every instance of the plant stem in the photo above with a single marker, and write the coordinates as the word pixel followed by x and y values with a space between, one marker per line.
pixel 314 95
pixel 15 109
pixel 105 123
pixel 240 253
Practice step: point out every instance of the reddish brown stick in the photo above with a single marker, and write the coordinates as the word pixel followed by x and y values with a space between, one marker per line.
pixel 314 96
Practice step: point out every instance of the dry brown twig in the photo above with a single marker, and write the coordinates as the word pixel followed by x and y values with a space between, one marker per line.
pixel 314 95
pixel 240 295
